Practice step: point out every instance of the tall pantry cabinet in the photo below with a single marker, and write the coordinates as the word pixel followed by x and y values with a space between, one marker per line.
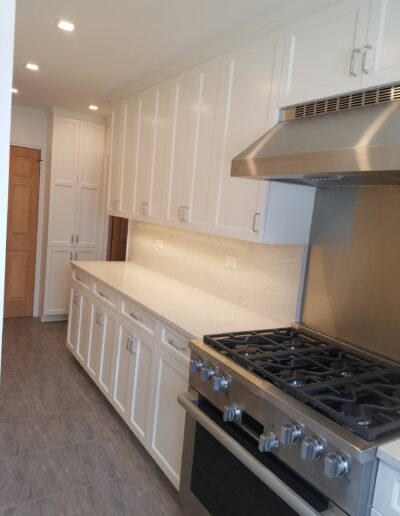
pixel 76 211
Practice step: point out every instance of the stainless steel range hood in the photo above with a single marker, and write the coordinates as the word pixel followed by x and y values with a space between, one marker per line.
pixel 347 141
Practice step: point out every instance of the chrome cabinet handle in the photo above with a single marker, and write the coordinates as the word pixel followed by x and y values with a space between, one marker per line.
pixel 181 213
pixel 364 58
pixel 72 238
pixel 76 239
pixel 77 298
pixel 100 318
pixel 144 208
pixel 352 61
pixel 253 226
pixel 70 255
pixel 136 317
pixel 172 343
pixel 130 344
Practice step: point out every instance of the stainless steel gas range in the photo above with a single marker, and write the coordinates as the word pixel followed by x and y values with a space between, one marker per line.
pixel 284 422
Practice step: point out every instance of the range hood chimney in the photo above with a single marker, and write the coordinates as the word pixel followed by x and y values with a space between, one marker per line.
pixel 351 140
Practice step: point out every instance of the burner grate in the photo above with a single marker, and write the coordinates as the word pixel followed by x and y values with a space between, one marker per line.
pixel 357 392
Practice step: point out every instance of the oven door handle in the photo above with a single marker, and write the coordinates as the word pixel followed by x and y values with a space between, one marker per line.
pixel 272 481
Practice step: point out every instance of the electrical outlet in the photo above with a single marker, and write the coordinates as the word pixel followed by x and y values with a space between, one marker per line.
pixel 160 244
pixel 230 262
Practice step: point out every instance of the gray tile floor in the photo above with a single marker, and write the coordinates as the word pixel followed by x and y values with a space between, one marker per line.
pixel 64 451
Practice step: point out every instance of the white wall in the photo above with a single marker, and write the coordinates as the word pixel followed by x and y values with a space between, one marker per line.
pixel 268 278
pixel 7 24
pixel 29 129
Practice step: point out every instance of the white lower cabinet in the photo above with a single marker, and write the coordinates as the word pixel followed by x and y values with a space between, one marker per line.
pixel 168 418
pixel 101 347
pixel 141 372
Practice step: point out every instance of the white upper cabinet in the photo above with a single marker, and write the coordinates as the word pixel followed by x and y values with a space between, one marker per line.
pixel 90 176
pixel 118 121
pixel 250 99
pixel 382 56
pixel 323 52
pixel 64 166
pixel 154 153
pixel 192 178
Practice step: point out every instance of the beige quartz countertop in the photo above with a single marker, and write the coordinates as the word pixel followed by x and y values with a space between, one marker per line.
pixel 187 308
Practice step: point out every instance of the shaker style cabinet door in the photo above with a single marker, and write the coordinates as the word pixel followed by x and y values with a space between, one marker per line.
pixel 90 176
pixel 118 121
pixel 58 277
pixel 82 347
pixel 323 53
pixel 250 103
pixel 381 53
pixel 74 320
pixel 64 172
pixel 124 368
pixel 168 418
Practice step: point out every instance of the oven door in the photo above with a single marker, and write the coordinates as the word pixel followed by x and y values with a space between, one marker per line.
pixel 224 474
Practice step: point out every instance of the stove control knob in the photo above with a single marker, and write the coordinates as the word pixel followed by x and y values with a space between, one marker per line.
pixel 311 449
pixel 206 372
pixel 291 433
pixel 221 382
pixel 196 364
pixel 268 442
pixel 335 465
pixel 232 413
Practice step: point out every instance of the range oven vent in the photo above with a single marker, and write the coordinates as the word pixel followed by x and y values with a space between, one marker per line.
pixel 353 100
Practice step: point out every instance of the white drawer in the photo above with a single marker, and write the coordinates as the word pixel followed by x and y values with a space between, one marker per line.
pixel 83 279
pixel 175 341
pixel 387 490
pixel 139 317
pixel 108 297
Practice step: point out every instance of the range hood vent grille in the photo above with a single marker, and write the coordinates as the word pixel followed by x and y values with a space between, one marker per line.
pixel 359 99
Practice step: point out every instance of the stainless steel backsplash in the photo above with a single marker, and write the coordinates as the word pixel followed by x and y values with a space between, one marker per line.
pixel 352 285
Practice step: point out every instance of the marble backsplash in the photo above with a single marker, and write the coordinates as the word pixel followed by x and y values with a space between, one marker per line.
pixel 268 278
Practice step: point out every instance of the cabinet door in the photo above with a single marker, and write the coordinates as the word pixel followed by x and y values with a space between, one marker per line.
pixel 58 278
pixel 101 348
pixel 74 320
pixel 118 123
pixel 64 172
pixel 319 52
pixel 125 362
pixel 154 153
pixel 89 199
pixel 88 254
pixel 130 141
pixel 82 346
pixel 171 379
pixel 252 79
pixel 382 59
pixel 144 350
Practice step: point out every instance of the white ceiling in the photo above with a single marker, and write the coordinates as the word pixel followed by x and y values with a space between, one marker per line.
pixel 119 42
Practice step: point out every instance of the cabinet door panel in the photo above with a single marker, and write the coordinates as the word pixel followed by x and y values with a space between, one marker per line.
pixel 107 354
pixel 124 364
pixel 129 157
pixel 118 121
pixel 168 416
pixel 82 348
pixel 86 254
pixel 74 320
pixel 141 386
pixel 187 90
pixel 91 155
pixel 96 341
pixel 58 277
pixel 316 61
pixel 383 59
pixel 252 80
pixel 62 216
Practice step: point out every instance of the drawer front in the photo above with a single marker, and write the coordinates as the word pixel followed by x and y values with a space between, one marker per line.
pixel 387 490
pixel 107 296
pixel 82 279
pixel 175 342
pixel 139 317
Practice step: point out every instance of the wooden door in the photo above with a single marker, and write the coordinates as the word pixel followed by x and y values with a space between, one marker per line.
pixel 117 239
pixel 23 199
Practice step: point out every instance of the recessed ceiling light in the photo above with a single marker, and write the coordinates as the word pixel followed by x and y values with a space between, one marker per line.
pixel 32 66
pixel 93 107
pixel 66 25
pixel 14 90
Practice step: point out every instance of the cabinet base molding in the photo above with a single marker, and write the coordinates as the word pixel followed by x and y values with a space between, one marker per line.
pixel 54 318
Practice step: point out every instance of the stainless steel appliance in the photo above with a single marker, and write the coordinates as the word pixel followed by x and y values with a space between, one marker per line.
pixel 348 140
pixel 284 422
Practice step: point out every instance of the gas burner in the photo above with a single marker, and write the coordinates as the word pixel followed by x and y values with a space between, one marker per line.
pixel 360 414
pixel 245 349
pixel 293 344
pixel 342 367
pixel 293 377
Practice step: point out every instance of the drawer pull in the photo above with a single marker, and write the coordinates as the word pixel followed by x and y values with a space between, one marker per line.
pixel 130 344
pixel 102 294
pixel 172 343
pixel 100 318
pixel 136 317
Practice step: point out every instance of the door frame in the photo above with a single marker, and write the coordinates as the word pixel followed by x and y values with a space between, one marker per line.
pixel 40 244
